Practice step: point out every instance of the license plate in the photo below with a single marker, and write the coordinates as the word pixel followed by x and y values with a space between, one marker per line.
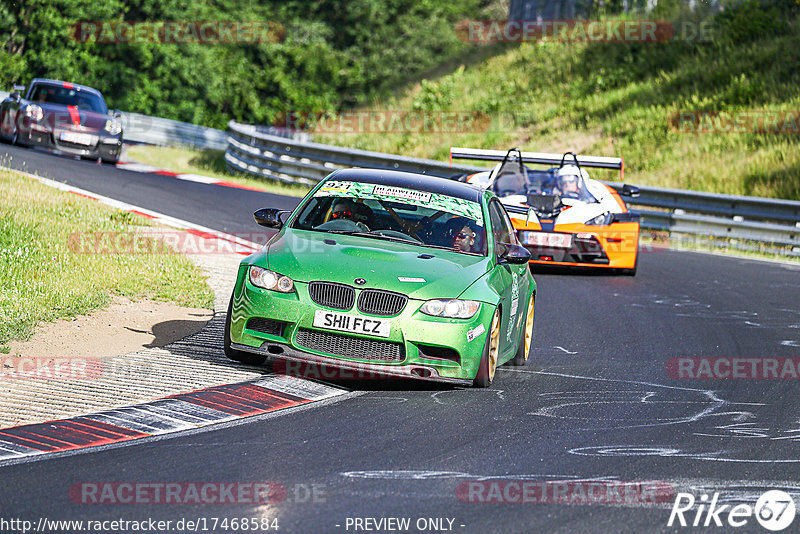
pixel 547 239
pixel 77 138
pixel 351 323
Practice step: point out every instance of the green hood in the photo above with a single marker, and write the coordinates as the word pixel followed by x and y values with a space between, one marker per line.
pixel 304 256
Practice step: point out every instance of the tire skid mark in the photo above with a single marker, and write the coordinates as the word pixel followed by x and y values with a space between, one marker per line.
pixel 707 414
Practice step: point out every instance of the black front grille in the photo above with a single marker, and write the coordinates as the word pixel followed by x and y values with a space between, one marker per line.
pixel 438 353
pixel 377 302
pixel 350 347
pixel 266 326
pixel 331 295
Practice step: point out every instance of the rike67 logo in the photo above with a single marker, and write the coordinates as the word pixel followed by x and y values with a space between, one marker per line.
pixel 774 510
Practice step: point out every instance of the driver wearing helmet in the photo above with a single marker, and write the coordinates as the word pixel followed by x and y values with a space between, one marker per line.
pixel 344 208
pixel 570 181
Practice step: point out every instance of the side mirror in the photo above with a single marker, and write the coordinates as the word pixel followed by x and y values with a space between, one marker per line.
pixel 629 191
pixel 14 96
pixel 270 217
pixel 514 254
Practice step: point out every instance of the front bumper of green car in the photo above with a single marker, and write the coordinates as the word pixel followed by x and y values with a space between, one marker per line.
pixel 424 347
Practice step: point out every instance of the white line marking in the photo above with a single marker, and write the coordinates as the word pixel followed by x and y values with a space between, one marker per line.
pixel 199 178
pixel 298 387
pixel 423 474
pixel 565 350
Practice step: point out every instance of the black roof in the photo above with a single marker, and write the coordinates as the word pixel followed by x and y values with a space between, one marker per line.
pixel 411 180
pixel 59 83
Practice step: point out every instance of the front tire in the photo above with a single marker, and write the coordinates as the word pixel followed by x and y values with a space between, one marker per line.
pixel 521 357
pixel 238 355
pixel 488 363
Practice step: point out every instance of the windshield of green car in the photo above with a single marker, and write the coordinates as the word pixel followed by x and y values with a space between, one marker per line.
pixel 395 214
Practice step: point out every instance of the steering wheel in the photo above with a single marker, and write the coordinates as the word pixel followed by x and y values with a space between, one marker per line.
pixel 340 225
pixel 413 229
pixel 395 233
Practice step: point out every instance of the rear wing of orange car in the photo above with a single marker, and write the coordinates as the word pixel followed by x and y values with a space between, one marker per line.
pixel 541 158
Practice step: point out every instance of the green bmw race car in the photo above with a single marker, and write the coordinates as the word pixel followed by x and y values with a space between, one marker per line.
pixel 400 274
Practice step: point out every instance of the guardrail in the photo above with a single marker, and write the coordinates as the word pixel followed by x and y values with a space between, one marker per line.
pixel 755 219
pixel 149 130
pixel 744 222
pixel 137 128
pixel 296 161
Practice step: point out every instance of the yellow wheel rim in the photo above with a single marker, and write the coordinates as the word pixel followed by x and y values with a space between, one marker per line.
pixel 529 327
pixel 494 344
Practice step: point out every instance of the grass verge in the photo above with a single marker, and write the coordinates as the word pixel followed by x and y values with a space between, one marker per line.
pixel 206 162
pixel 622 99
pixel 42 279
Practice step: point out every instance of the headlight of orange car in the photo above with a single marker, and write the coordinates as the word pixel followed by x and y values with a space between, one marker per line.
pixel 601 220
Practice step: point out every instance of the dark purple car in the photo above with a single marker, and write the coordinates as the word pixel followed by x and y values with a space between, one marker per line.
pixel 67 117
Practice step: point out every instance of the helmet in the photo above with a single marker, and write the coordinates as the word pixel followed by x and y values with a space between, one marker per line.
pixel 343 208
pixel 570 180
pixel 572 170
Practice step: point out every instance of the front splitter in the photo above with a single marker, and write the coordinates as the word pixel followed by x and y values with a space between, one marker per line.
pixel 360 370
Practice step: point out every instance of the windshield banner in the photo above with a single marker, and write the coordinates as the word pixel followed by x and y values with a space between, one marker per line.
pixel 355 190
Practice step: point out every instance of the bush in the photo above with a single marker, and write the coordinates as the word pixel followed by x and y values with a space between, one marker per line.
pixel 336 54
pixel 752 20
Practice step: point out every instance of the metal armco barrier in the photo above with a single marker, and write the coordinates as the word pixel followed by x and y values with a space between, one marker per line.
pixel 148 130
pixel 157 131
pixel 749 219
pixel 296 161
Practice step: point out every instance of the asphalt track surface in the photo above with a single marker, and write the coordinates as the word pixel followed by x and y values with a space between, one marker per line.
pixel 595 402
